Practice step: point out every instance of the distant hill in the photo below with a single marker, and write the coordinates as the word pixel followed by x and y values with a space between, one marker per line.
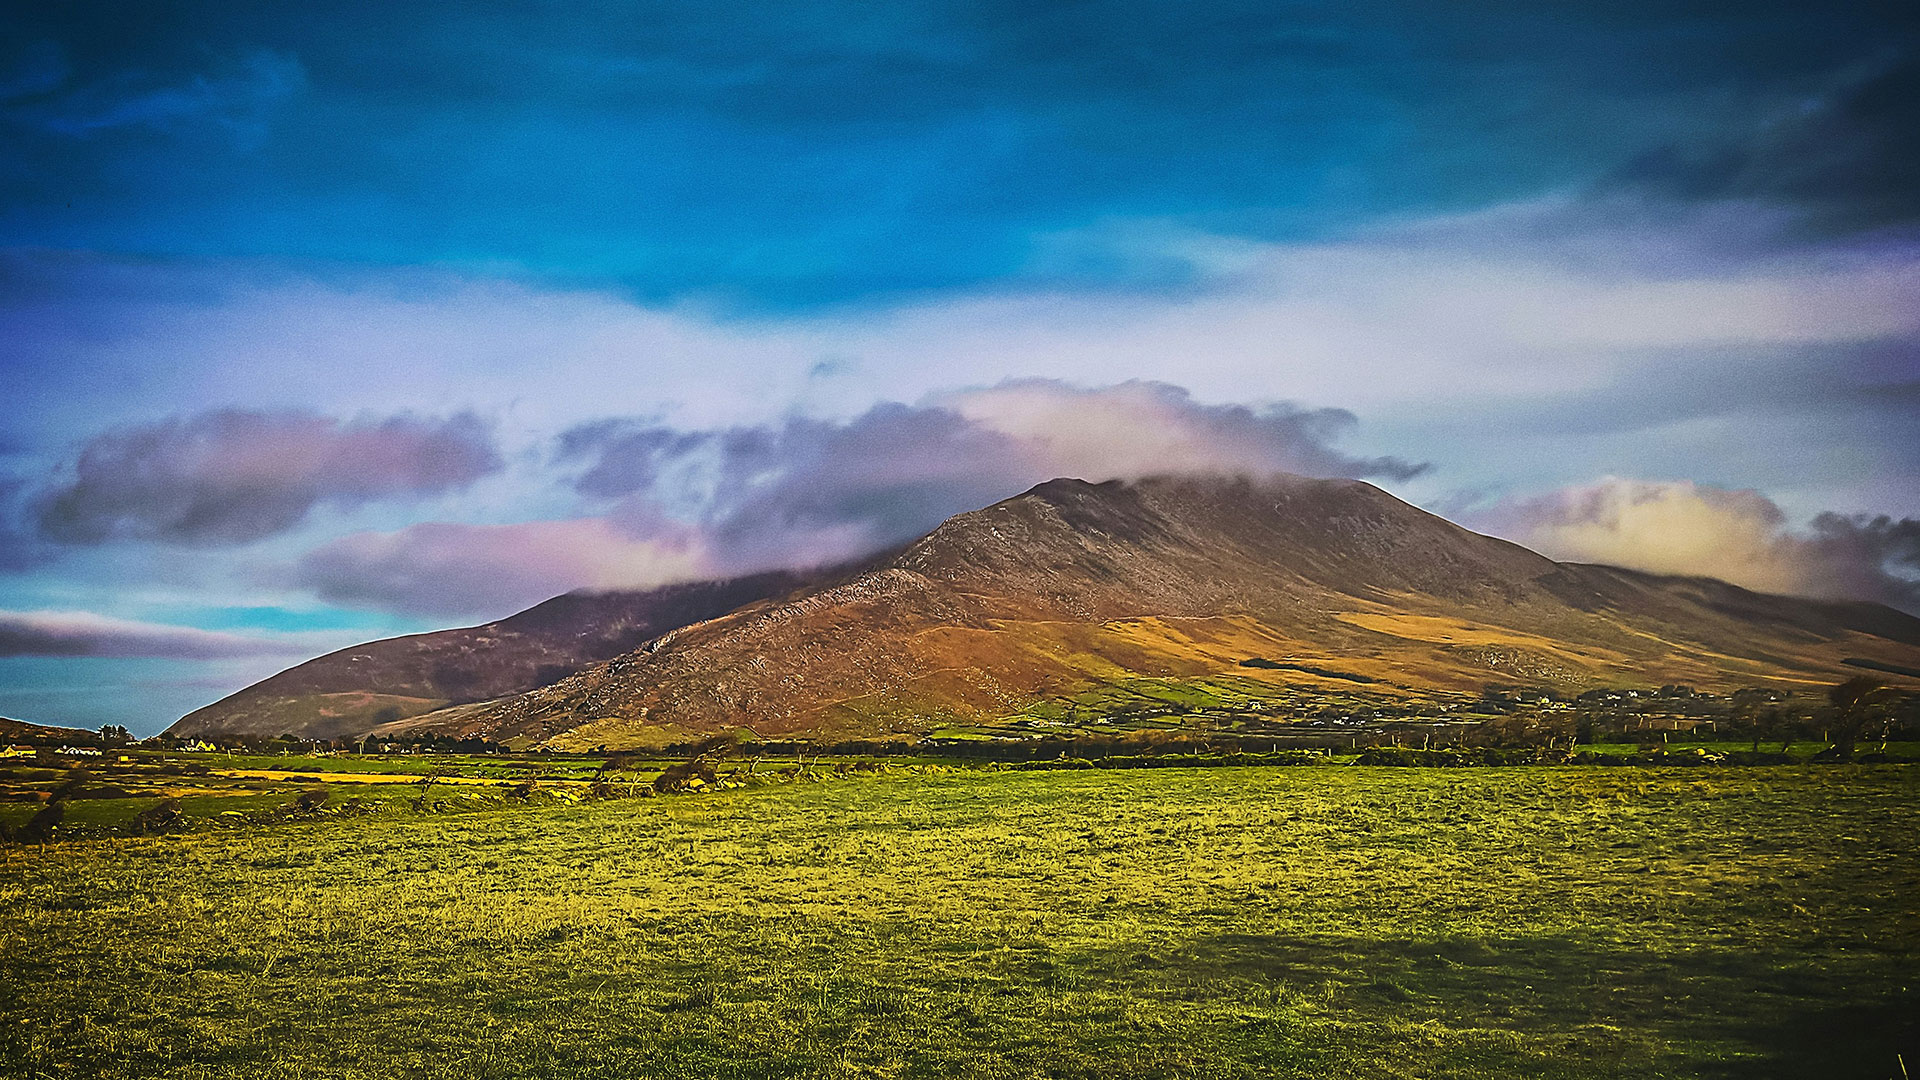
pixel 352 690
pixel 21 731
pixel 1072 587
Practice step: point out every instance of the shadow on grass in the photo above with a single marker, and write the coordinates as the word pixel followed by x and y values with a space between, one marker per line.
pixel 1708 1011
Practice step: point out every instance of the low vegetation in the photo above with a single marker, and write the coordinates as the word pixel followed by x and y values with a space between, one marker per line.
pixel 930 922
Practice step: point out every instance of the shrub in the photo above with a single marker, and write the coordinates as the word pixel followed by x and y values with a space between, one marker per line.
pixel 158 818
pixel 39 828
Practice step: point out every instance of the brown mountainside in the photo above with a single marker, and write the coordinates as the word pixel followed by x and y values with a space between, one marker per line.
pixel 1074 586
pixel 352 690
pixel 15 730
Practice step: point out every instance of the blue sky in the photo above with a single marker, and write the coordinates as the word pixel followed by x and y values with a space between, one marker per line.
pixel 320 325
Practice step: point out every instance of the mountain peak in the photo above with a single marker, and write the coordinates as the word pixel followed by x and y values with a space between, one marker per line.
pixel 1073 586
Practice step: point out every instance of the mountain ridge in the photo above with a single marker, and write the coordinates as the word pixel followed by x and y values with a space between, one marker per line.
pixel 11 729
pixel 350 691
pixel 1073 582
pixel 1073 586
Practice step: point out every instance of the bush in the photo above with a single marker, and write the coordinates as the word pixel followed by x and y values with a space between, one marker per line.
pixel 158 818
pixel 683 777
pixel 1755 757
pixel 39 828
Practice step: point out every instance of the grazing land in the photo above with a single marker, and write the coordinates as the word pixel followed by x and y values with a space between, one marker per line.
pixel 1313 921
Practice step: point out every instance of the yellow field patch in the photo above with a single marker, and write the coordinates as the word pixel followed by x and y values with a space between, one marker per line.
pixel 1442 630
pixel 618 731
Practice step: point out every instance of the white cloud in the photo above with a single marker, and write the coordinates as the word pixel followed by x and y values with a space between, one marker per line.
pixel 1139 428
pixel 1482 342
pixel 1502 306
pixel 1679 527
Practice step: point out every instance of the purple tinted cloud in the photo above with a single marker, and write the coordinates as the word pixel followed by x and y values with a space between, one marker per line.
pixel 78 633
pixel 681 503
pixel 810 490
pixel 1874 557
pixel 447 569
pixel 234 476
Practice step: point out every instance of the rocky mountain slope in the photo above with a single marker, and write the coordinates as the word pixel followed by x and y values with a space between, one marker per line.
pixel 20 730
pixel 1075 585
pixel 352 690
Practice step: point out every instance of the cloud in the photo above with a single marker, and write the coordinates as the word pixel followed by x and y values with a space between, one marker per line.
pixel 447 569
pixel 31 68
pixel 234 476
pixel 238 99
pixel 19 548
pixel 1140 428
pixel 1525 347
pixel 808 155
pixel 1679 527
pixel 1496 310
pixel 81 633
pixel 678 504
pixel 1847 157
pixel 811 491
pixel 1873 557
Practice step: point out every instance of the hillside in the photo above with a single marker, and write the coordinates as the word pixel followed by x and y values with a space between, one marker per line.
pixel 1072 591
pixel 352 690
pixel 21 731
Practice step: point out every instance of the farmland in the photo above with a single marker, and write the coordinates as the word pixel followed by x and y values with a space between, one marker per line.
pixel 934 922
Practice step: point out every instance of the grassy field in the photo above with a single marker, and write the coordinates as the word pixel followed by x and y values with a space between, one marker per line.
pixel 1535 922
pixel 110 790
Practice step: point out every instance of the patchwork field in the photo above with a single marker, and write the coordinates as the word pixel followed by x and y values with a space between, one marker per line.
pixel 1210 922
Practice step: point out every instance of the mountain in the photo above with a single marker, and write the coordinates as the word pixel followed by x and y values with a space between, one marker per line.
pixel 21 731
pixel 1281 590
pixel 353 690
pixel 1079 591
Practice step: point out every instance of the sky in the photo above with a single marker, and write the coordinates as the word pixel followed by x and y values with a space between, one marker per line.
pixel 322 323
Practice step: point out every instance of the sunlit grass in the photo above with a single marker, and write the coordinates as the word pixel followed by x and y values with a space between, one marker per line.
pixel 1222 922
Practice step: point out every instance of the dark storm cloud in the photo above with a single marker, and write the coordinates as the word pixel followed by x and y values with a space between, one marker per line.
pixel 810 490
pixel 234 476
pixel 1867 557
pixel 794 154
pixel 1848 156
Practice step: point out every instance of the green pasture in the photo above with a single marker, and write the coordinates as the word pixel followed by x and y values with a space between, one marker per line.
pixel 408 764
pixel 1802 751
pixel 1315 922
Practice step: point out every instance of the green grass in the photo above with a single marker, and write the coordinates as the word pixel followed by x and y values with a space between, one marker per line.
pixel 1801 751
pixel 1161 923
pixel 406 764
